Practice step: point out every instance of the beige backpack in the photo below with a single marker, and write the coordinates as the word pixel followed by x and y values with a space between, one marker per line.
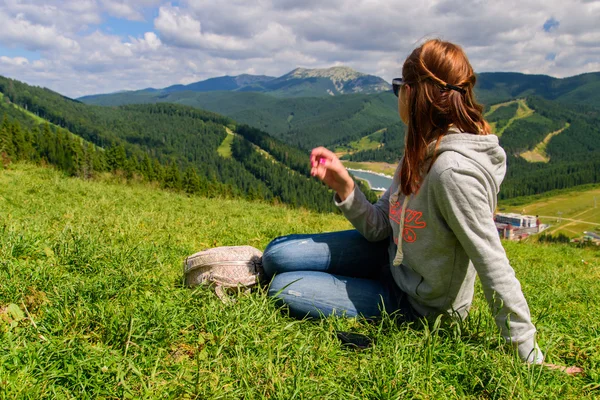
pixel 224 267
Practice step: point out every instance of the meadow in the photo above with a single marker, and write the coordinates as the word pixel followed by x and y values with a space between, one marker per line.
pixel 92 306
pixel 369 142
pixel 522 111
pixel 569 212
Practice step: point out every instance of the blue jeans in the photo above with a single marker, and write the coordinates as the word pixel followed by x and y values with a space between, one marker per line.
pixel 333 273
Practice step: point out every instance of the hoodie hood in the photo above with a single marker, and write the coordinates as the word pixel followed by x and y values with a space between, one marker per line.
pixel 483 150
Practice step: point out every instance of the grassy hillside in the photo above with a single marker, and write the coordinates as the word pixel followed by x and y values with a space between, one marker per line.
pixel 538 154
pixel 180 143
pixel 91 306
pixel 502 115
pixel 570 212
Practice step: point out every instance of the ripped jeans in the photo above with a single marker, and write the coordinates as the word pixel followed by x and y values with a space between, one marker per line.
pixel 334 273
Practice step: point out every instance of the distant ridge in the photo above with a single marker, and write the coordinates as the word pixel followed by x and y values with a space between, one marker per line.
pixel 301 82
pixel 221 83
pixel 494 87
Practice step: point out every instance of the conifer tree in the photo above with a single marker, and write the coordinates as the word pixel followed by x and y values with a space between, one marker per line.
pixel 6 141
pixel 116 157
pixel 18 140
pixel 158 170
pixel 47 144
pixel 146 168
pixel 191 181
pixel 132 166
pixel 172 177
pixel 29 149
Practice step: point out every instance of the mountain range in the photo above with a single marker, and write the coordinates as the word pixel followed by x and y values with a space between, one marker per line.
pixel 300 82
pixel 549 126
pixel 492 87
pixel 312 120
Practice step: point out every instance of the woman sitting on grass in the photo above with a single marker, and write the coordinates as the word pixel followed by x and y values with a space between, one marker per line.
pixel 416 252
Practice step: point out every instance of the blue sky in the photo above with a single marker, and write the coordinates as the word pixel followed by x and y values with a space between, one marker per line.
pixel 123 27
pixel 80 47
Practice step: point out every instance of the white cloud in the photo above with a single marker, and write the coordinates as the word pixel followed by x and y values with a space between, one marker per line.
pixel 178 28
pixel 20 32
pixel 14 61
pixel 150 42
pixel 70 15
pixel 198 39
pixel 121 9
pixel 182 29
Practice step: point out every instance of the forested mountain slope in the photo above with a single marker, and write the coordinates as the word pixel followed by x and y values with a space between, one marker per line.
pixel 305 122
pixel 573 155
pixel 495 87
pixel 172 144
pixel 331 121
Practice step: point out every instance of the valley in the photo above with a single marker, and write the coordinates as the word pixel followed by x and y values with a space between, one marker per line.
pixel 364 128
pixel 549 145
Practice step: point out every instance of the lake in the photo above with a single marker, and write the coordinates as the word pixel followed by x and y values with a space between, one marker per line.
pixel 376 181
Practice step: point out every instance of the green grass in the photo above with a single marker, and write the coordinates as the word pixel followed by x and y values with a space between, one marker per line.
pixel 574 205
pixel 92 306
pixel 538 154
pixel 369 142
pixel 523 111
pixel 224 148
pixel 36 118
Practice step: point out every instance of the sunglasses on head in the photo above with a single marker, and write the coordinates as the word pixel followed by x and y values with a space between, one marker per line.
pixel 398 82
pixel 396 85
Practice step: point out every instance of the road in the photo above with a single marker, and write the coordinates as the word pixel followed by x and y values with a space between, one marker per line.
pixel 568 219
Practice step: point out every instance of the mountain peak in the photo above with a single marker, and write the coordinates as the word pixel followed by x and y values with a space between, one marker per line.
pixel 343 79
pixel 339 73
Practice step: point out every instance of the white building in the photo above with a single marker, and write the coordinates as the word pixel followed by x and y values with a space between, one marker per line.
pixel 517 220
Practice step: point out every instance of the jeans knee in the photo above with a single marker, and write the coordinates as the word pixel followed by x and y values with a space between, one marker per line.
pixel 278 283
pixel 275 254
pixel 289 285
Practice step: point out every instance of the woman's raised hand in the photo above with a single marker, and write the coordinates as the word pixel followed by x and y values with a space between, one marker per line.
pixel 327 167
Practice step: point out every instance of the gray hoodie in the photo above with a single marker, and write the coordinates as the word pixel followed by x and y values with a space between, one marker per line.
pixel 449 236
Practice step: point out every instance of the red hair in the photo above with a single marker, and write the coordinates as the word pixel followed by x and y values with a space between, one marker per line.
pixel 433 106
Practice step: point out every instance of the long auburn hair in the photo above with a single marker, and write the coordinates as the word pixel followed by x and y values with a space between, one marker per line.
pixel 433 106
